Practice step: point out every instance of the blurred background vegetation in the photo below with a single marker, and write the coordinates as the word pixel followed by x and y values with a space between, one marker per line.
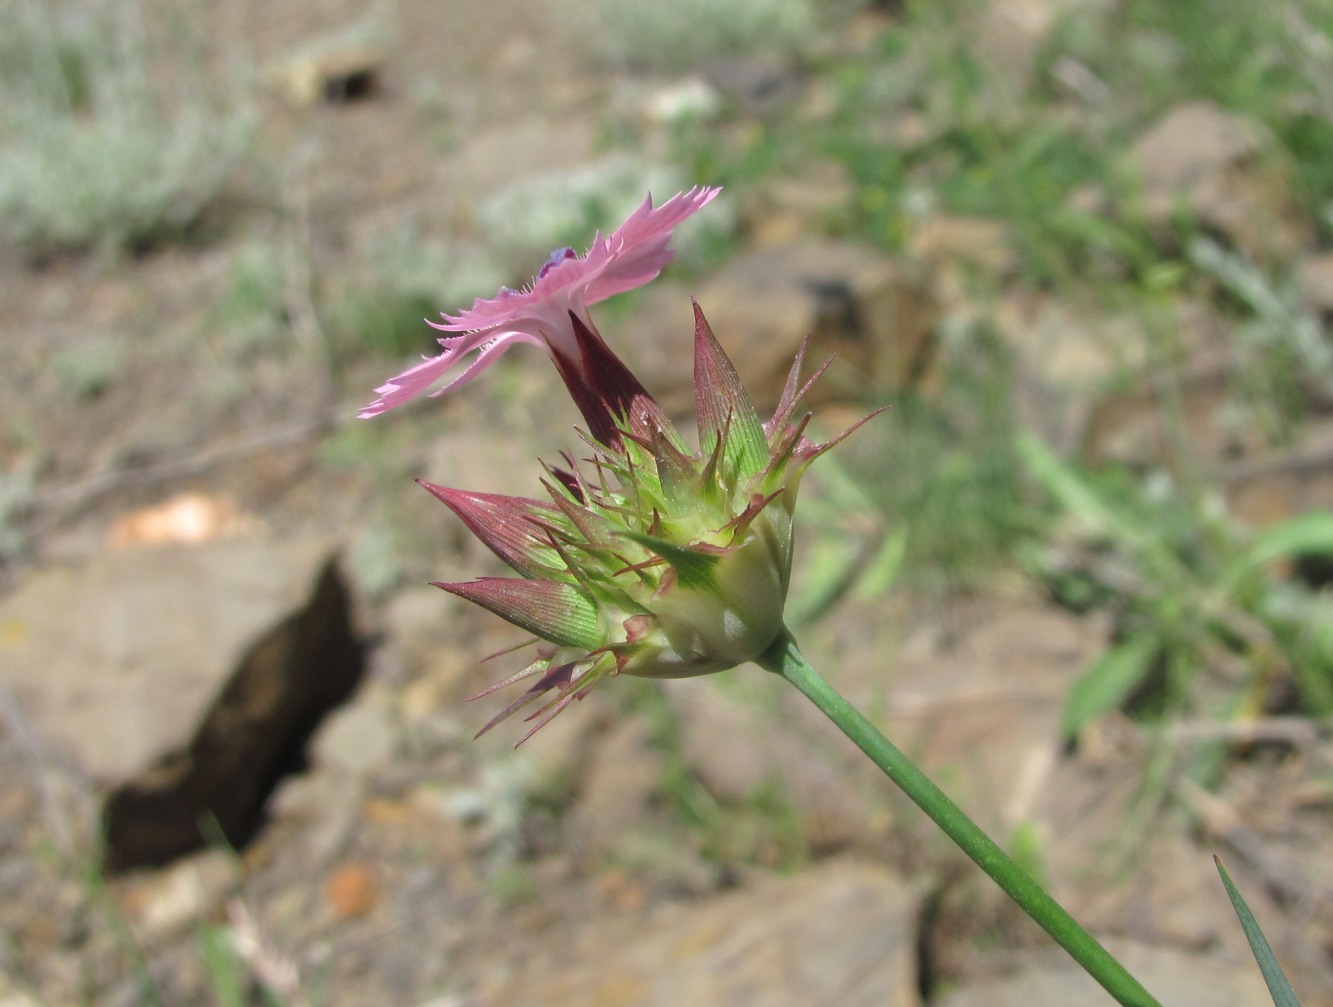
pixel 1120 213
pixel 121 133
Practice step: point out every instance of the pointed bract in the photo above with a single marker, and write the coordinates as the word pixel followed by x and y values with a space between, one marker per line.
pixel 724 406
pixel 554 610
pixel 694 568
pixel 514 528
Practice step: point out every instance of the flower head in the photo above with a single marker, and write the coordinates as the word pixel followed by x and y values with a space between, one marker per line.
pixel 650 559
pixel 562 291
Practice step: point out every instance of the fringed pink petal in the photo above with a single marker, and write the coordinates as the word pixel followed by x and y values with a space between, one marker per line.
pixel 417 379
pixel 633 255
pixel 408 385
pixel 638 250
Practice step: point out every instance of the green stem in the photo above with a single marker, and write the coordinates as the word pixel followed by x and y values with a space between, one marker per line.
pixel 786 660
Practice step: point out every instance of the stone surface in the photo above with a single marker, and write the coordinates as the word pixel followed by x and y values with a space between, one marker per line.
pixel 350 890
pixel 1009 36
pixel 745 738
pixel 1283 483
pixel 1316 282
pixel 516 149
pixel 182 678
pixel 1176 979
pixel 873 313
pixel 841 933
pixel 617 789
pixel 1218 166
pixel 358 738
pixel 1110 388
pixel 478 99
pixel 790 208
pixel 977 241
pixel 1155 417
pixel 980 706
pixel 1066 361
pixel 332 73
pixel 760 86
pixel 165 903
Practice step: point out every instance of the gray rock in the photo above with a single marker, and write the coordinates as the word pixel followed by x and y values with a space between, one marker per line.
pixel 1008 37
pixel 978 706
pixel 1090 384
pixel 980 712
pixel 617 789
pixel 754 736
pixel 166 903
pixel 1174 978
pixel 978 241
pixel 791 208
pixel 875 314
pixel 1316 282
pixel 337 70
pixel 1067 362
pixel 1218 166
pixel 1279 484
pixel 357 739
pixel 759 86
pixel 1192 143
pixel 182 679
pixel 519 148
pixel 839 934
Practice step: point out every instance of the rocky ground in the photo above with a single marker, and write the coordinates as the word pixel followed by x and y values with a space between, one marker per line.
pixel 219 616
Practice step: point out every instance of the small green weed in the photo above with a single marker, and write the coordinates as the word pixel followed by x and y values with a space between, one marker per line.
pixel 942 469
pixel 513 884
pixel 1266 61
pixel 88 370
pixel 1282 354
pixel 764 828
pixel 16 497
pixel 405 278
pixel 95 151
pixel 252 310
pixel 1205 627
pixel 674 38
pixel 387 321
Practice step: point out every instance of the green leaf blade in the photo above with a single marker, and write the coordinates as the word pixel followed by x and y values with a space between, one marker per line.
pixel 1107 684
pixel 1279 987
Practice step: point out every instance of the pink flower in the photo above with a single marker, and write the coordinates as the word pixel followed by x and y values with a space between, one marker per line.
pixel 546 312
pixel 651 559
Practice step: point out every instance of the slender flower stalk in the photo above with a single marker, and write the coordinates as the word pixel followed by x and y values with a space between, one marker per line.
pixel 785 659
